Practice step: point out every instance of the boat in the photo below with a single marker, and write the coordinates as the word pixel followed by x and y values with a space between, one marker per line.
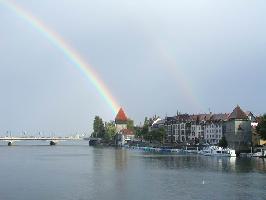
pixel 155 149
pixel 261 154
pixel 218 151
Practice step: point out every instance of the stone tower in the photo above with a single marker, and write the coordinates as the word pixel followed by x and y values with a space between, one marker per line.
pixel 238 130
pixel 120 120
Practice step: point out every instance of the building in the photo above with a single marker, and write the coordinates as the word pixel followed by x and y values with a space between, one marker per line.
pixel 157 123
pixel 128 135
pixel 209 128
pixel 123 134
pixel 198 127
pixel 121 120
pixel 213 128
pixel 178 128
pixel 237 130
pixel 184 128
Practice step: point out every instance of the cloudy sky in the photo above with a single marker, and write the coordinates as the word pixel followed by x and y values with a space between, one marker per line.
pixel 155 56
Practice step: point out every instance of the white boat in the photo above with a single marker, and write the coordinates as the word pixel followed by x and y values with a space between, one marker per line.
pixel 218 151
pixel 261 153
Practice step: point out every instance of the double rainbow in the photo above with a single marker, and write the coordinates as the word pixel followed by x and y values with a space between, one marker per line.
pixel 67 50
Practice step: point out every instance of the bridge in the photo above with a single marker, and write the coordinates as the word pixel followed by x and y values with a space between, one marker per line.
pixel 52 140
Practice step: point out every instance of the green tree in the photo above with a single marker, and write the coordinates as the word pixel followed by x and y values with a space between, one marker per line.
pixel 158 134
pixel 98 127
pixel 261 128
pixel 196 140
pixel 145 132
pixel 146 121
pixel 130 124
pixel 138 131
pixel 110 130
pixel 223 142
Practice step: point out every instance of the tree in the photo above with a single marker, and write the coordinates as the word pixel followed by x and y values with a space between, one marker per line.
pixel 98 127
pixel 158 134
pixel 110 130
pixel 130 124
pixel 223 142
pixel 261 128
pixel 146 121
pixel 196 140
pixel 138 131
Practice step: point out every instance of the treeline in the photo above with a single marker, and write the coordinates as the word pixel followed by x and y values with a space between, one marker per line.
pixel 104 130
pixel 107 130
pixel 261 128
pixel 155 135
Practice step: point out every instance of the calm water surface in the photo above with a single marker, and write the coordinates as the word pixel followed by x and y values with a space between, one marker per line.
pixel 77 171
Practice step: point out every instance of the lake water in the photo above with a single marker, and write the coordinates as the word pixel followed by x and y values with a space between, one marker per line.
pixel 77 171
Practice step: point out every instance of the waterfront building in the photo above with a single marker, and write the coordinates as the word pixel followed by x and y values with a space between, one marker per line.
pixel 196 133
pixel 123 134
pixel 198 127
pixel 128 135
pixel 170 123
pixel 237 130
pixel 251 117
pixel 178 128
pixel 213 128
pixel 208 128
pixel 157 123
pixel 184 128
pixel 121 120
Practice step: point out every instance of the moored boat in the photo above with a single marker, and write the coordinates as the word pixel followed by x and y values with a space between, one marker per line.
pixel 218 151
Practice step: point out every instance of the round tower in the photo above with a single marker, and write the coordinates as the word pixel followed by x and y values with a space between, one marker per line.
pixel 120 120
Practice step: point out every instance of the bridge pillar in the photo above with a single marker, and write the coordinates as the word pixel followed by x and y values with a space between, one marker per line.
pixel 52 143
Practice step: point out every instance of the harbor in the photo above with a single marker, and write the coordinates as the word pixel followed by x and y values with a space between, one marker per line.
pixel 74 170
pixel 205 151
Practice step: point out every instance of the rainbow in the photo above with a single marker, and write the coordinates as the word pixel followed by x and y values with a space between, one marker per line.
pixel 67 50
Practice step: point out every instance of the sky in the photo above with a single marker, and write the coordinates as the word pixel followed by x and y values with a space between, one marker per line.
pixel 154 56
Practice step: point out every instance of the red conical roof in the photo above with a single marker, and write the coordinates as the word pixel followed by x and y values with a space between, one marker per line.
pixel 121 116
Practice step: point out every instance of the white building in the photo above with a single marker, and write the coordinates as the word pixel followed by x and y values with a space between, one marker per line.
pixel 213 132
pixel 213 128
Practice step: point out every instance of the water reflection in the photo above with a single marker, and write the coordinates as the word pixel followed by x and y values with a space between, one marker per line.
pixel 205 163
pixel 121 159
pixel 82 172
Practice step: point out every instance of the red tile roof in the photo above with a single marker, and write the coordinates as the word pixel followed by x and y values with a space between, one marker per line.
pixel 237 113
pixel 127 132
pixel 121 116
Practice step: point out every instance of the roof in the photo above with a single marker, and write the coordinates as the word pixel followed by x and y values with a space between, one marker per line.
pixel 157 121
pixel 121 116
pixel 201 117
pixel 183 117
pixel 219 117
pixel 237 113
pixel 127 132
pixel 249 113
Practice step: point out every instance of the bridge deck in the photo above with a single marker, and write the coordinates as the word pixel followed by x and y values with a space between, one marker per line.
pixel 37 138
